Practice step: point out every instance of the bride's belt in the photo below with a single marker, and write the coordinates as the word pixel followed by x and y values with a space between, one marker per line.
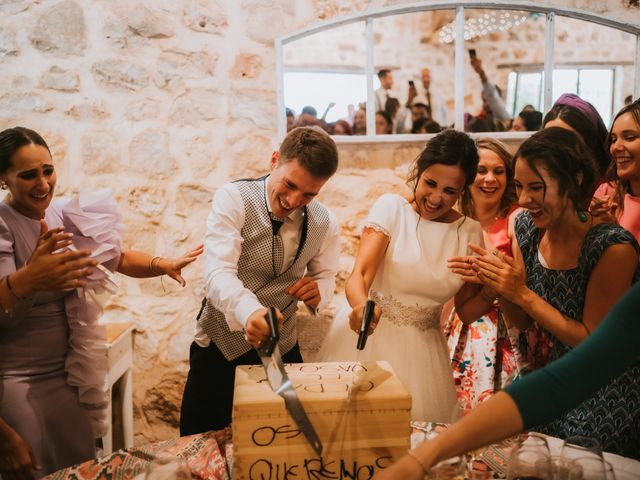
pixel 401 314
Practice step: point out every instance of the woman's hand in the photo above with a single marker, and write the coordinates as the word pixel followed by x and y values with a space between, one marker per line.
pixel 48 268
pixel 501 273
pixel 355 318
pixel 406 468
pixel 173 266
pixel 463 267
pixel 16 458
pixel 602 209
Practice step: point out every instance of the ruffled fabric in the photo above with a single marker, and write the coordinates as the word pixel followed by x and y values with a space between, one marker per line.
pixel 94 221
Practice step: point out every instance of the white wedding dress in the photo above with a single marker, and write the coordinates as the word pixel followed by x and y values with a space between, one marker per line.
pixel 411 286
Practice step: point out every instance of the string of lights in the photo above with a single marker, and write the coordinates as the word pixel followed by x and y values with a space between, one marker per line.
pixel 494 21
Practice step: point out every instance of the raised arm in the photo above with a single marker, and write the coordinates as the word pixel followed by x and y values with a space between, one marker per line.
pixel 143 265
pixel 540 396
pixel 373 246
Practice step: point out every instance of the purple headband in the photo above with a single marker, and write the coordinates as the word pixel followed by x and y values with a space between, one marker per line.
pixel 584 107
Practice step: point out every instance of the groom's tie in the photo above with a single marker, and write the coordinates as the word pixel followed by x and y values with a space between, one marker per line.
pixel 278 247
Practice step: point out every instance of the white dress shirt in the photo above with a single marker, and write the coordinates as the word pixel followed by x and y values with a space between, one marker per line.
pixel 222 248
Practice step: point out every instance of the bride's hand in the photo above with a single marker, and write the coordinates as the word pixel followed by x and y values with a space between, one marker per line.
pixel 355 318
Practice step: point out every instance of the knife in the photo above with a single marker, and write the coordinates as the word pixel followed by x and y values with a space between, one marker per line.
pixel 269 353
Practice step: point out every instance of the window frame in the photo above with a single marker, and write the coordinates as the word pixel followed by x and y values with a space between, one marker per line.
pixel 459 6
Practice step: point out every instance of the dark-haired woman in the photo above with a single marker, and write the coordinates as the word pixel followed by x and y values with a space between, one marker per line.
pixel 482 355
pixel 401 265
pixel 52 369
pixel 567 272
pixel 573 113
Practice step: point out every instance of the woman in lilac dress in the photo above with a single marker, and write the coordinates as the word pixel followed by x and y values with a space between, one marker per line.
pixel 52 367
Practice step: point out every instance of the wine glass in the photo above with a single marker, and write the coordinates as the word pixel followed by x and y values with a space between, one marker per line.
pixel 580 446
pixel 451 469
pixel 588 468
pixel 530 459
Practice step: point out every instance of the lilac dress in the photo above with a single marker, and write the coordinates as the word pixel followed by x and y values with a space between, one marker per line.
pixel 52 360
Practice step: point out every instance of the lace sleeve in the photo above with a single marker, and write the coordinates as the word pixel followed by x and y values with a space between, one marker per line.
pixel 384 213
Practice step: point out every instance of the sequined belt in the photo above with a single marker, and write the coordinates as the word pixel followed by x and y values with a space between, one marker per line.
pixel 417 316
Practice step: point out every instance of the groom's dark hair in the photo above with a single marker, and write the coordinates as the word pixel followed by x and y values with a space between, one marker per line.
pixel 313 148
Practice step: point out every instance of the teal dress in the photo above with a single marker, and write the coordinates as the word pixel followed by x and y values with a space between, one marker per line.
pixel 612 414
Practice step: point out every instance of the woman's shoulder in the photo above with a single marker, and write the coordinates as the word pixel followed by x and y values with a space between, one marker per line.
pixel 611 234
pixel 392 200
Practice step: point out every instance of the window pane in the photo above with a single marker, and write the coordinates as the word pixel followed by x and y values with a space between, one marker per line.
pixel 413 48
pixel 529 90
pixel 326 72
pixel 343 89
pixel 596 86
pixel 565 80
pixel 509 49
pixel 590 47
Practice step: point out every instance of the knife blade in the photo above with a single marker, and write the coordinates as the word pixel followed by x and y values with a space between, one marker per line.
pixel 280 383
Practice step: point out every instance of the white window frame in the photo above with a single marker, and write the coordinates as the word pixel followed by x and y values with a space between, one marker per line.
pixel 459 56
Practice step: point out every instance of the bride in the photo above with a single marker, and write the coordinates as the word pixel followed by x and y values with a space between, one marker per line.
pixel 402 266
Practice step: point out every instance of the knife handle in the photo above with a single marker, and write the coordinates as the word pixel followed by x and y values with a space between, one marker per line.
pixel 367 317
pixel 266 350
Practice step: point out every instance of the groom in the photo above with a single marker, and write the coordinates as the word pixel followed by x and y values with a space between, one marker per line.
pixel 268 243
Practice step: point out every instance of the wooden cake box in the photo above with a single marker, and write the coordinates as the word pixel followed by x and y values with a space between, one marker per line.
pixel 361 433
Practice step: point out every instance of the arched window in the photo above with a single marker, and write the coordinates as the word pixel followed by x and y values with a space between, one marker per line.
pixel 350 61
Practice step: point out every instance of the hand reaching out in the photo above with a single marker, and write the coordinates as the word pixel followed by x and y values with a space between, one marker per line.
pixel 173 266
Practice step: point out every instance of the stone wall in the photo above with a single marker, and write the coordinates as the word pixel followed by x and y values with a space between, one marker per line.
pixel 163 101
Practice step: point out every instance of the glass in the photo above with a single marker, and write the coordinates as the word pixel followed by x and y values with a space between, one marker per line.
pixel 451 469
pixel 587 468
pixel 580 447
pixel 168 468
pixel 530 459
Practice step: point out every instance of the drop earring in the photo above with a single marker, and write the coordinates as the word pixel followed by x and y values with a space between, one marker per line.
pixel 582 216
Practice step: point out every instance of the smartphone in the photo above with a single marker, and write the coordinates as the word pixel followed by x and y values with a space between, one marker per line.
pixel 411 84
pixel 472 53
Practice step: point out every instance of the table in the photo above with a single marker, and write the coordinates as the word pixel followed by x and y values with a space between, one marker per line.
pixel 119 361
pixel 210 456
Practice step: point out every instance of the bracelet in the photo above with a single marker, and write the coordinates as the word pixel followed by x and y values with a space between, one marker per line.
pixel 153 265
pixel 11 289
pixel 413 455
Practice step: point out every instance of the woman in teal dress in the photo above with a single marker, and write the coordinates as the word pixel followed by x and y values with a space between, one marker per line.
pixel 567 272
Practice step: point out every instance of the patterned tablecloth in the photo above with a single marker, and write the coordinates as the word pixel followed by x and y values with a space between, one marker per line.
pixel 210 456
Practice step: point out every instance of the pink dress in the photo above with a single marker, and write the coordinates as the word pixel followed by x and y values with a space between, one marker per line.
pixel 630 218
pixel 52 365
pixel 482 355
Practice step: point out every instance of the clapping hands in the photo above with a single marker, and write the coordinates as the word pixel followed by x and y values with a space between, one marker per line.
pixel 500 272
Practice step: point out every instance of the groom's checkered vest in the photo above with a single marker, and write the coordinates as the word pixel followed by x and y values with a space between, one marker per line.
pixel 256 269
